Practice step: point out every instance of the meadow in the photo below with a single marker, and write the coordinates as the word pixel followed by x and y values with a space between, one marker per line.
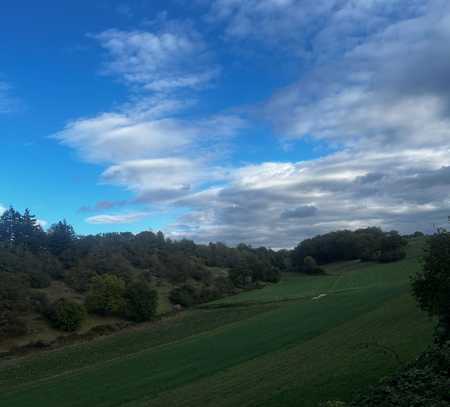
pixel 296 343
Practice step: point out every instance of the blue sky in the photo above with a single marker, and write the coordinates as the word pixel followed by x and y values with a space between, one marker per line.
pixel 260 121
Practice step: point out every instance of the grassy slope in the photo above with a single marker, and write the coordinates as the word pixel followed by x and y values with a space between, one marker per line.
pixel 280 354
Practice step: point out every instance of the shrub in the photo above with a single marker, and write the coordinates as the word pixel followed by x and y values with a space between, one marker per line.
pixel 79 280
pixel 39 280
pixel 11 325
pixel 310 266
pixel 66 315
pixel 106 296
pixel 431 287
pixel 184 295
pixel 14 300
pixel 423 383
pixel 39 302
pixel 141 302
pixel 392 255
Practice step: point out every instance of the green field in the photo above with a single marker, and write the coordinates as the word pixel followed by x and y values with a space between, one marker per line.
pixel 277 346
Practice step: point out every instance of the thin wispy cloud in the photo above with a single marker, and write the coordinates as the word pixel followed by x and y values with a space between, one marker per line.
pixel 169 59
pixel 117 219
pixel 148 147
pixel 8 103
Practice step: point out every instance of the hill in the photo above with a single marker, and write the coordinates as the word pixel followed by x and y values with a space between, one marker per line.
pixel 305 340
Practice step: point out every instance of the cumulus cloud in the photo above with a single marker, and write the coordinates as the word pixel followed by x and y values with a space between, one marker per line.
pixel 278 204
pixel 2 209
pixel 117 219
pixel 384 91
pixel 162 179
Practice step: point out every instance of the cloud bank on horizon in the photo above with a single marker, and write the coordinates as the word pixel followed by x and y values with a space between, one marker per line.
pixel 374 87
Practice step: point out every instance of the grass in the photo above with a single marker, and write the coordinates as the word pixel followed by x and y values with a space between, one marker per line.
pixel 275 347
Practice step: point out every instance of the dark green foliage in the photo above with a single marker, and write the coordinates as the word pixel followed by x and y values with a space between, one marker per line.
pixel 61 237
pixel 106 296
pixel 14 302
pixel 242 274
pixel 431 286
pixel 425 383
pixel 79 279
pixel 392 247
pixel 141 302
pixel 310 266
pixel 39 280
pixel 66 315
pixel 185 295
pixel 39 302
pixel 21 230
pixel 370 244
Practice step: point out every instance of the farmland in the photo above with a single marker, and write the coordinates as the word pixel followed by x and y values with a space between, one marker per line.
pixel 302 341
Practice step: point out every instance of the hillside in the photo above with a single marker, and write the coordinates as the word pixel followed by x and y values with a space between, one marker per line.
pixel 305 340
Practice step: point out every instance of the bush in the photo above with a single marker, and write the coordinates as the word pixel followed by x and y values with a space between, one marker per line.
pixel 79 280
pixel 392 255
pixel 66 315
pixel 14 300
pixel 141 302
pixel 39 280
pixel 39 302
pixel 185 295
pixel 431 287
pixel 11 325
pixel 106 296
pixel 310 266
pixel 425 382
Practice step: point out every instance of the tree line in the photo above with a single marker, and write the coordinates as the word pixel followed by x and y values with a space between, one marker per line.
pixel 115 273
pixel 369 244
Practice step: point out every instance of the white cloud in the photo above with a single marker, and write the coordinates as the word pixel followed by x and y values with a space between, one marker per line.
pixel 117 219
pixel 371 95
pixel 2 209
pixel 162 179
pixel 147 145
pixel 112 137
pixel 389 118
pixel 313 29
pixel 42 223
pixel 171 58
pixel 278 204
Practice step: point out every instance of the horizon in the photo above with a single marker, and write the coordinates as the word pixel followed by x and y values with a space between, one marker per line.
pixel 264 122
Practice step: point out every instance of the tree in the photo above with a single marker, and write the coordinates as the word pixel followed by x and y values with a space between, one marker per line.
pixel 106 296
pixel 9 222
pixel 241 274
pixel 61 237
pixel 431 286
pixel 66 315
pixel 141 302
pixel 392 247
pixel 310 266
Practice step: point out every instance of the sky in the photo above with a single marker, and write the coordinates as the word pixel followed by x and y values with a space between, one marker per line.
pixel 257 121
